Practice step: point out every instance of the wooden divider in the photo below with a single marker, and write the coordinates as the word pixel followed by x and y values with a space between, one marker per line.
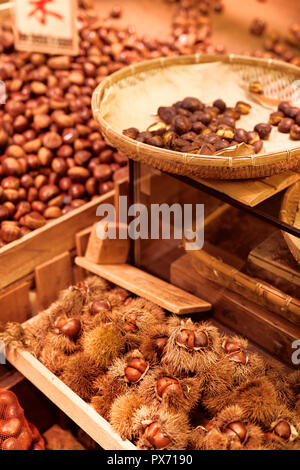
pixel 52 277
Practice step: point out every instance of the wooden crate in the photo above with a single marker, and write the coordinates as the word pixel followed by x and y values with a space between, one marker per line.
pixel 63 397
pixel 56 274
pixel 32 262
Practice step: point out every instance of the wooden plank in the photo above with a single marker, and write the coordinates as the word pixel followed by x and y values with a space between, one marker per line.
pixel 15 304
pixel 52 277
pixel 147 286
pixel 253 192
pixel 21 257
pixel 259 325
pixel 70 403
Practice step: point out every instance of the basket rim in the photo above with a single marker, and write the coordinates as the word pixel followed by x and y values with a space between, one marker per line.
pixel 193 160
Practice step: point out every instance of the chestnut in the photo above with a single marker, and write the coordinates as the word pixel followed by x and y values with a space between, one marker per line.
pixel 70 327
pixel 99 305
pixel 237 430
pixel 263 130
pixel 156 437
pixel 285 125
pixel 165 384
pixel 283 430
pixel 135 370
pixel 130 322
pixel 160 344
pixel 191 341
pixel 295 132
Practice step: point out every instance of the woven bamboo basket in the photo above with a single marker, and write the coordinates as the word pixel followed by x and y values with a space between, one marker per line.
pixel 118 104
pixel 289 208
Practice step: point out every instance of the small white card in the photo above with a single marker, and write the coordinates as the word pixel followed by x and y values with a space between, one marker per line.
pixel 46 26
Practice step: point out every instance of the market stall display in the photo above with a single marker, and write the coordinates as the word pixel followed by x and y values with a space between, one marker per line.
pixel 149 374
pixel 141 343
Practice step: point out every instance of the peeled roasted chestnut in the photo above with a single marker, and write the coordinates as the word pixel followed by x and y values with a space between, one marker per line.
pixel 285 125
pixel 135 369
pixel 156 437
pixel 242 107
pixel 263 130
pixel 165 384
pixel 237 430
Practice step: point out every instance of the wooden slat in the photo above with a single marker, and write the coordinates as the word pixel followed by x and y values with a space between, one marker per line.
pixel 52 277
pixel 70 403
pixel 253 192
pixel 21 257
pixel 264 328
pixel 81 242
pixel 15 304
pixel 150 287
pixel 121 189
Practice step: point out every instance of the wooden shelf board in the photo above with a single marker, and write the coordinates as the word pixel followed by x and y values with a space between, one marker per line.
pixel 70 403
pixel 147 286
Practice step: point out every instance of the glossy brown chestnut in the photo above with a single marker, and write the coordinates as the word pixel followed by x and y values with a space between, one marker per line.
pixel 191 341
pixel 156 437
pixel 167 384
pixel 99 305
pixel 70 327
pixel 135 369
pixel 237 430
pixel 283 430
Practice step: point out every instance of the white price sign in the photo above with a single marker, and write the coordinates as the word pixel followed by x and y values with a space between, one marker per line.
pixel 46 26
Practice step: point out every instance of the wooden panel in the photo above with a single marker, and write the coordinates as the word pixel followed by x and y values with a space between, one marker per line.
pixel 253 192
pixel 81 242
pixel 21 257
pixel 15 304
pixel 250 288
pixel 70 403
pixel 147 286
pixel 274 256
pixel 256 323
pixel 52 277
